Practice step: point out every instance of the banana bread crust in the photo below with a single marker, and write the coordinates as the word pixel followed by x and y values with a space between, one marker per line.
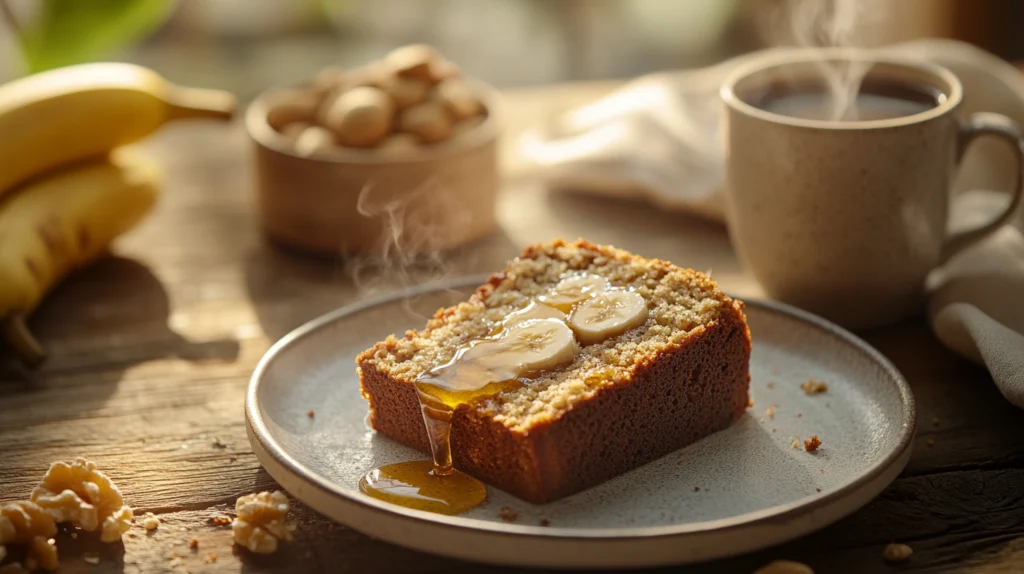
pixel 674 397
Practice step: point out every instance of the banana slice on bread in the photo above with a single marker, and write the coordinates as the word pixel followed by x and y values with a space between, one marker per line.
pixel 607 314
pixel 526 347
pixel 537 345
pixel 571 290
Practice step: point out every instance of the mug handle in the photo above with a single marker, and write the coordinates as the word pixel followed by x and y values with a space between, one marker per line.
pixel 977 125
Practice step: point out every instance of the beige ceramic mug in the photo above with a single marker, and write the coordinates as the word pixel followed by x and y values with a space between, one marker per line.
pixel 846 217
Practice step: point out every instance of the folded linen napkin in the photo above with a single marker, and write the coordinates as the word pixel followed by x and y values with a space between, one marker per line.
pixel 659 138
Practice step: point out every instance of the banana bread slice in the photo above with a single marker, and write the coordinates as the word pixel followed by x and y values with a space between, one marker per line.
pixel 680 376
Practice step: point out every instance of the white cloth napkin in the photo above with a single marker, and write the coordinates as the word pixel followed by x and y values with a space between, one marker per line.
pixel 659 138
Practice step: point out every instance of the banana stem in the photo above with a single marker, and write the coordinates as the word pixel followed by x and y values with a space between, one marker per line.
pixel 185 103
pixel 14 330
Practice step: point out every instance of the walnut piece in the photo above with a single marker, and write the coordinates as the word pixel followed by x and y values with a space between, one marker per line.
pixel 42 554
pixel 80 494
pixel 261 521
pixel 27 523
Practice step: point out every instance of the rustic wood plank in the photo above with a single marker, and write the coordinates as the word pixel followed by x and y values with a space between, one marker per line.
pixel 151 351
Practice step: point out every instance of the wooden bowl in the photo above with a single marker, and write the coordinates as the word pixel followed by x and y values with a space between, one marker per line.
pixel 360 201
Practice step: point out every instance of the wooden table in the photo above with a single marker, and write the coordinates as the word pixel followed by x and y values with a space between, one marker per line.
pixel 151 352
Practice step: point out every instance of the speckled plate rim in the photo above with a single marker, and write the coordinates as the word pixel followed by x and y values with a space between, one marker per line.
pixel 522 545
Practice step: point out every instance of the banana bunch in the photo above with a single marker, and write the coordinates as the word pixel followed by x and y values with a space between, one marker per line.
pixel 67 187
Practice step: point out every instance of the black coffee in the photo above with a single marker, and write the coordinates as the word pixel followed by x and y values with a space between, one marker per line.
pixel 876 100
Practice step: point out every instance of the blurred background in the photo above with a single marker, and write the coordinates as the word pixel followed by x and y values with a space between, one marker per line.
pixel 246 45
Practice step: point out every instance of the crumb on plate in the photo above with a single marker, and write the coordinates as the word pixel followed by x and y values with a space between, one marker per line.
pixel 814 387
pixel 812 444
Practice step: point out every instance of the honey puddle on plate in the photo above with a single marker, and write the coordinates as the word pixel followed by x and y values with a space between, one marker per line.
pixel 535 339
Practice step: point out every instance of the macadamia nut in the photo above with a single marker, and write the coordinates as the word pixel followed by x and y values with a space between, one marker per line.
pixel 428 121
pixel 360 117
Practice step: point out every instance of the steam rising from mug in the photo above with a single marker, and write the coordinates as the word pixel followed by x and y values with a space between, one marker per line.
pixel 834 24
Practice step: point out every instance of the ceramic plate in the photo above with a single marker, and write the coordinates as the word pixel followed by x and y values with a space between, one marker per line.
pixel 741 489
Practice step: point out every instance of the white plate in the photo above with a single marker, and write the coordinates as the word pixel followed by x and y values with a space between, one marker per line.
pixel 755 489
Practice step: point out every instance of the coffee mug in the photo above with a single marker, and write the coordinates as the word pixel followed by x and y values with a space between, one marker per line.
pixel 844 213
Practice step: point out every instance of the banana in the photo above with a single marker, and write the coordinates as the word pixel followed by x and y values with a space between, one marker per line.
pixel 60 222
pixel 607 314
pixel 536 345
pixel 573 289
pixel 492 364
pixel 534 310
pixel 70 114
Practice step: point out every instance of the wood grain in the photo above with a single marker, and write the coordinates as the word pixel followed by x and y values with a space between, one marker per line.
pixel 151 352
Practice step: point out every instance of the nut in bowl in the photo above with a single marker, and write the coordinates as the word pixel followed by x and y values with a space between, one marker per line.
pixel 400 153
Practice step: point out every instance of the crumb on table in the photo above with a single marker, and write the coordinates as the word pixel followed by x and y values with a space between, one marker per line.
pixel 696 489
pixel 784 567
pixel 771 385
pixel 770 412
pixel 545 522
pixel 194 543
pixel 210 558
pixel 814 387
pixel 812 444
pixel 507 514
pixel 795 444
pixel 897 552
pixel 150 521
pixel 220 521
pixel 929 442
pixel 310 413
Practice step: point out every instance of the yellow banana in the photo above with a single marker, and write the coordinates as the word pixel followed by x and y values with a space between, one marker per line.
pixel 60 222
pixel 73 113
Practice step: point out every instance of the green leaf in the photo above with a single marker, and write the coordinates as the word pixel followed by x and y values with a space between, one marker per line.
pixel 70 32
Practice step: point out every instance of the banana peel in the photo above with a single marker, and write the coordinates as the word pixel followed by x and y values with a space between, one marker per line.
pixel 60 222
